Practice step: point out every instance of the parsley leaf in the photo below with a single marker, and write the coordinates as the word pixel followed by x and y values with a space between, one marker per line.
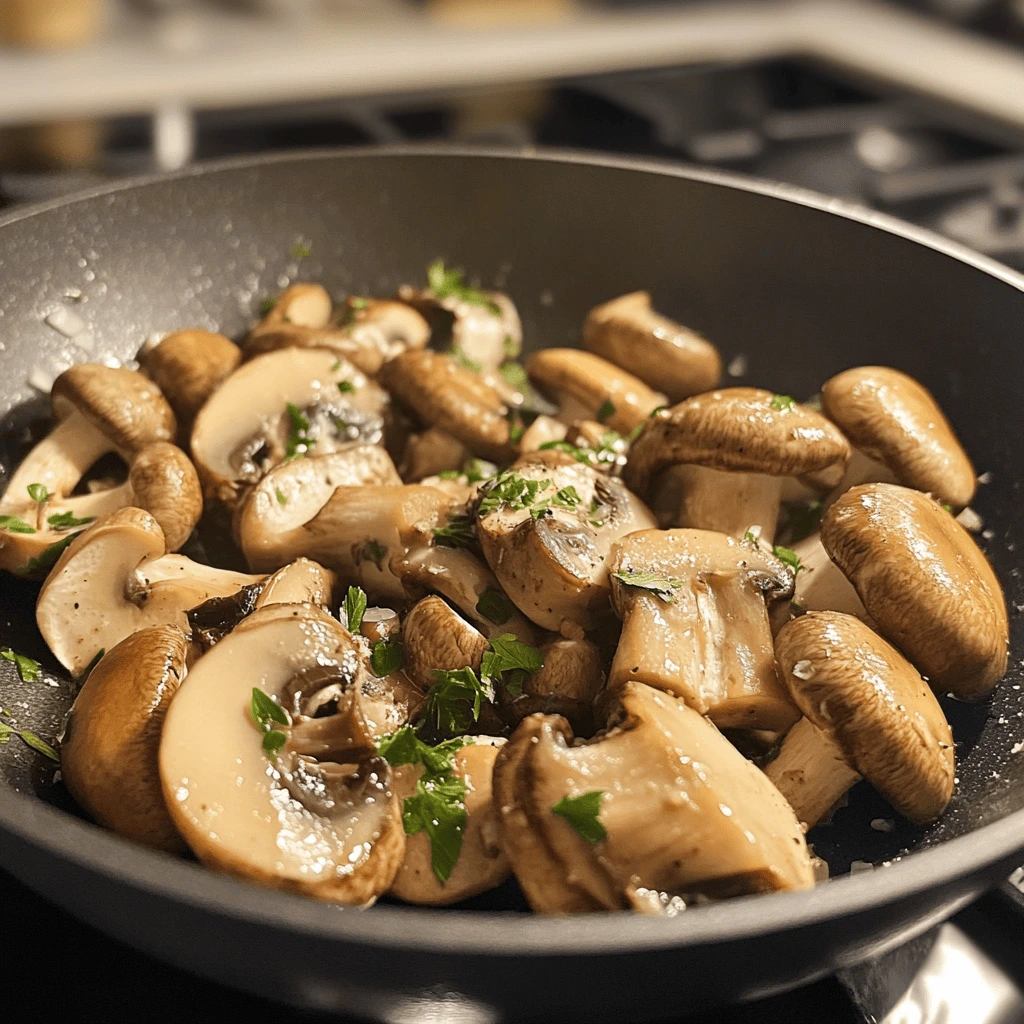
pixel 479 469
pixel 13 524
pixel 454 701
pixel 606 411
pixel 355 608
pixel 346 387
pixel 437 808
pixel 38 493
pixel 49 556
pixel 281 499
pixel 511 490
pixel 29 738
pixel 510 347
pixel 510 661
pixel 567 497
pixel 514 375
pixel 388 656
pixel 583 455
pixel 515 433
pixel 804 519
pixel 583 813
pixel 372 551
pixel 299 441
pixel 463 360
pixel 265 712
pixel 947 507
pixel 660 586
pixel 447 284
pixel 28 668
pixel 460 532
pixel 750 538
pixel 267 305
pixel 789 557
pixel 495 606
pixel 300 251
pixel 67 521
pixel 405 747
pixel 783 403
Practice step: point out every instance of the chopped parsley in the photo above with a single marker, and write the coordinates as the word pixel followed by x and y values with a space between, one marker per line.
pixel 29 738
pixel 512 490
pixel 606 411
pixel 514 376
pixel 299 441
pixel 301 251
pixel 660 586
pixel 38 493
pixel 281 499
pixel 789 557
pixel 463 360
pixel 346 387
pixel 510 661
pixel 947 507
pixel 567 497
pixel 454 701
pixel 495 606
pixel 751 538
pixel 49 556
pixel 584 814
pixel 267 305
pixel 448 284
pixel 515 433
pixel 67 520
pixel 266 712
pixel 14 524
pixel 783 403
pixel 479 469
pixel 372 551
pixel 28 668
pixel 460 532
pixel 510 347
pixel 388 656
pixel 804 519
pixel 354 607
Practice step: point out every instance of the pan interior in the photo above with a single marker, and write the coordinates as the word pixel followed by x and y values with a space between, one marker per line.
pixel 797 292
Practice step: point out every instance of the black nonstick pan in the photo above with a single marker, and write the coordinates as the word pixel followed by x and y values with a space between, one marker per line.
pixel 797 285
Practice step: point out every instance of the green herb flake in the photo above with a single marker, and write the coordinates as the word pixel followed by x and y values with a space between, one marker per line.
pixel 606 411
pixel 510 347
pixel 49 556
pixel 454 701
pixel 510 661
pixel 299 441
pixel 14 524
pixel 445 284
pixel 514 376
pixel 38 493
pixel 266 712
pixel 567 497
pixel 459 532
pixel 346 387
pixel 280 495
pixel 783 403
pixel 751 538
pixel 300 251
pixel 267 306
pixel 358 302
pixel 947 507
pixel 388 656
pixel 335 367
pixel 583 813
pixel 803 520
pixel 67 520
pixel 789 557
pixel 449 474
pixel 479 469
pixel 29 738
pixel 584 455
pixel 437 808
pixel 513 491
pixel 405 747
pixel 355 608
pixel 495 606
pixel 660 586
pixel 515 433
pixel 372 551
pixel 28 668
pixel 463 360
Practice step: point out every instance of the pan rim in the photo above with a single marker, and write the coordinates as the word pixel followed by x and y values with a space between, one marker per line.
pixel 65 837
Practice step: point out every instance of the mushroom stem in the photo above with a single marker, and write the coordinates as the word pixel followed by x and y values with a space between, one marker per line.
pixel 714 499
pixel 810 772
pixel 820 583
pixel 61 458
pixel 379 624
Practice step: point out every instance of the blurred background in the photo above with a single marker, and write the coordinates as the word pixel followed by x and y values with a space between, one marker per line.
pixel 913 107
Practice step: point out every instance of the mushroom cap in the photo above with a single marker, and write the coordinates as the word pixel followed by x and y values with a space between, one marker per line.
pixel 109 753
pixel 482 864
pixel 302 582
pixel 164 483
pixel 251 405
pixel 294 492
pixel 589 382
pixel 437 637
pixel 896 421
pixel 188 366
pixel 924 582
pixel 328 827
pixel 303 304
pixel 124 406
pixel 867 698
pixel 738 429
pixel 665 355
pixel 452 398
pixel 685 813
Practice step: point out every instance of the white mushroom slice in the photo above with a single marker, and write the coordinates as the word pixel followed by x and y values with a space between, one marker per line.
pixel 293 493
pixel 925 583
pixel 437 638
pixel 868 712
pixel 695 624
pixel 482 864
pixel 727 453
pixel 245 428
pixel 112 582
pixel 110 748
pixel 662 353
pixel 549 552
pixel 587 387
pixel 325 825
pixel 682 815
pixel 302 582
pixel 895 421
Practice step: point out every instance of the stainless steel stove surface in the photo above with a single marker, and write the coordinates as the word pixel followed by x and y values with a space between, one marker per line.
pixel 963 178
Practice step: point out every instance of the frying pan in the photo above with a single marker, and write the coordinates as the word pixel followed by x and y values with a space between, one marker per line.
pixel 798 285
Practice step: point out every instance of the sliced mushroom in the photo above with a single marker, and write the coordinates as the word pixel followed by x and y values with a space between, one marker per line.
pixel 455 400
pixel 662 353
pixel 482 864
pixel 729 451
pixel 695 624
pixel 321 817
pixel 110 749
pixel 438 638
pixel 893 420
pixel 112 582
pixel 552 563
pixel 245 428
pixel 685 816
pixel 867 713
pixel 542 430
pixel 189 366
pixel 302 582
pixel 924 582
pixel 292 493
pixel 587 387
